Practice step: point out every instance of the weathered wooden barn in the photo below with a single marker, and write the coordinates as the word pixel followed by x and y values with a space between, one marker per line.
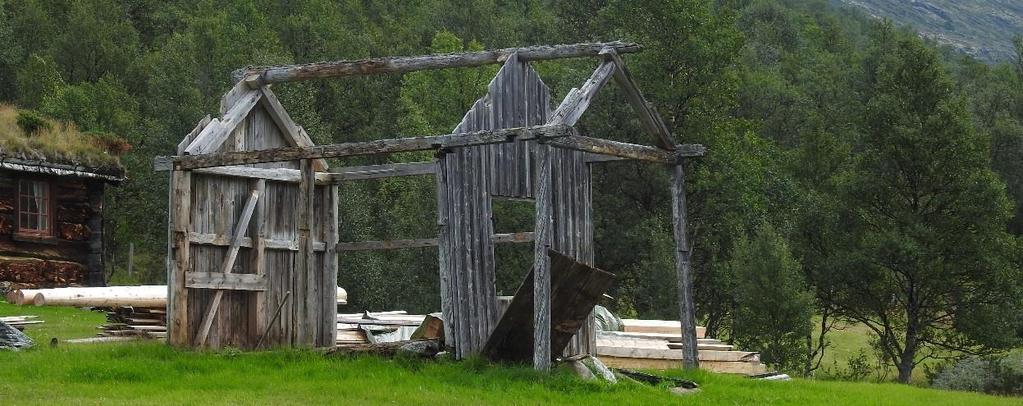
pixel 254 208
pixel 51 211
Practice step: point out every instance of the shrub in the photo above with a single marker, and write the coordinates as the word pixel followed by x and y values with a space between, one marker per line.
pixel 32 122
pixel 1001 375
pixel 110 142
pixel 773 307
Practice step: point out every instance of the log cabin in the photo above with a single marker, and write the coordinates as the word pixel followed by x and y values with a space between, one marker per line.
pixel 52 181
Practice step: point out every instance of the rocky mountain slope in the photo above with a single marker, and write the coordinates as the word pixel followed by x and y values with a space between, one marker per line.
pixel 982 28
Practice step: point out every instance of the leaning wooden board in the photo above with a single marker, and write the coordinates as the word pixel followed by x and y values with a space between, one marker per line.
pixel 575 289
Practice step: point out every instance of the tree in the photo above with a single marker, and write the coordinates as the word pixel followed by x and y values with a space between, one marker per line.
pixel 773 305
pixel 931 253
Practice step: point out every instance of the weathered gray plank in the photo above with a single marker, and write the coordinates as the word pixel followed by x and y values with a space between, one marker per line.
pixel 579 100
pixel 185 142
pixel 444 247
pixel 228 265
pixel 225 281
pixel 177 325
pixel 372 66
pixel 276 174
pixel 648 116
pixel 627 150
pixel 214 135
pixel 330 265
pixel 294 135
pixel 304 257
pixel 362 148
pixel 382 171
pixel 541 262
pixel 387 245
pixel 685 278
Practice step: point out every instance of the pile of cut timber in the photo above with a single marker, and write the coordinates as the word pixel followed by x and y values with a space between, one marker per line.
pixel 19 322
pixel 109 296
pixel 655 344
pixel 150 296
pixel 145 322
pixel 376 327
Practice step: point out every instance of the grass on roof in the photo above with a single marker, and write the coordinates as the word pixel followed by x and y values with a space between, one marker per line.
pixel 60 143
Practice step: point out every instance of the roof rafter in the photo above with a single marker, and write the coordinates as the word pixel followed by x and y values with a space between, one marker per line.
pixel 648 116
pixel 218 130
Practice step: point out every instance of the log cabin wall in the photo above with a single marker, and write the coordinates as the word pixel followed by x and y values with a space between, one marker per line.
pixel 469 178
pixel 70 251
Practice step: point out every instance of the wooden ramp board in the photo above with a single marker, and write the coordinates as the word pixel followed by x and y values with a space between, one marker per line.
pixel 724 367
pixel 575 289
pixel 673 327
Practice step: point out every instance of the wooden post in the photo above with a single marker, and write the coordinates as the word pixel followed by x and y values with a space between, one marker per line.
pixel 542 262
pixel 257 257
pixel 181 200
pixel 443 244
pixel 332 234
pixel 303 260
pixel 685 278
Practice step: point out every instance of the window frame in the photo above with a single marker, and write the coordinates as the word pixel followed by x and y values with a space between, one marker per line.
pixel 47 204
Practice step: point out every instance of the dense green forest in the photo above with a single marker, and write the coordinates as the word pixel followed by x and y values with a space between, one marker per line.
pixel 854 171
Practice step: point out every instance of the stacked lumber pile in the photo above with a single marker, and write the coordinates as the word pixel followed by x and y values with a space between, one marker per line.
pixel 655 344
pixel 19 322
pixel 376 327
pixel 110 296
pixel 144 322
pixel 148 296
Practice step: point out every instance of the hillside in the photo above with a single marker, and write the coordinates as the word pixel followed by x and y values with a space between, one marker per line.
pixel 981 28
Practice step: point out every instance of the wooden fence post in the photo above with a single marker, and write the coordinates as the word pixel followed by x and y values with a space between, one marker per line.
pixel 685 279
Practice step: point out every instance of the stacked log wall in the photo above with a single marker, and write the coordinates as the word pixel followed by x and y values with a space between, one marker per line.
pixel 72 254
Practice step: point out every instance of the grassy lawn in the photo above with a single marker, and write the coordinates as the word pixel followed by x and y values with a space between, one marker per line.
pixel 152 373
pixel 848 341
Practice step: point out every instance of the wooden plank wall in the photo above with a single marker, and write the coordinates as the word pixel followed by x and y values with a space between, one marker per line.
pixel 469 178
pixel 215 205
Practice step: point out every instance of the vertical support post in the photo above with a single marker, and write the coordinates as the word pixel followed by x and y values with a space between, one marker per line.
pixel 541 261
pixel 685 279
pixel 181 202
pixel 303 312
pixel 332 236
pixel 443 246
pixel 257 257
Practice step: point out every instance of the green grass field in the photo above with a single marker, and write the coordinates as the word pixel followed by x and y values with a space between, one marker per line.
pixel 152 373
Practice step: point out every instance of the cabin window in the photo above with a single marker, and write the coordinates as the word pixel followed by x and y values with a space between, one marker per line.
pixel 34 214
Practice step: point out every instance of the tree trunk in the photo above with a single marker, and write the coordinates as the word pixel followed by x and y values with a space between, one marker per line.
pixel 906 360
pixel 906 367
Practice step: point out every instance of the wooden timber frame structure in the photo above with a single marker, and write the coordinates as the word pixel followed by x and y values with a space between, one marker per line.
pixel 254 207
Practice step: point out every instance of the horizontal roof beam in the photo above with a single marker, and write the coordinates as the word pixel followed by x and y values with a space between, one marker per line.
pixel 401 64
pixel 387 146
pixel 627 150
pixel 509 238
pixel 383 171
